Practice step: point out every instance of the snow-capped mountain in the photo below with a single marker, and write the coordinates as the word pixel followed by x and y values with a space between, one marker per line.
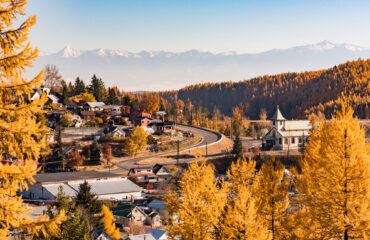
pixel 162 70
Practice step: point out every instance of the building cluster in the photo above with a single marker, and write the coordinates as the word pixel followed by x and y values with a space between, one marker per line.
pixel 99 113
pixel 137 196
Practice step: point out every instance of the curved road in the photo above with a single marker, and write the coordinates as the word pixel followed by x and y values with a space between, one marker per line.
pixel 208 137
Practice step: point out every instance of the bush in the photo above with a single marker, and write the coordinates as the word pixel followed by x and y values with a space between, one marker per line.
pixel 67 119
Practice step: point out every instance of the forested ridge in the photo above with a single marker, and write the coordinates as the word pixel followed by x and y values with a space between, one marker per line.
pixel 297 94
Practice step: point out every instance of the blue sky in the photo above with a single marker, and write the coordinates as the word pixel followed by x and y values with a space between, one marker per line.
pixel 206 25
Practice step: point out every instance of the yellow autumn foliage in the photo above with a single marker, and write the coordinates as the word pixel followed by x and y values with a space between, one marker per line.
pixel 108 223
pixel 22 135
pixel 335 182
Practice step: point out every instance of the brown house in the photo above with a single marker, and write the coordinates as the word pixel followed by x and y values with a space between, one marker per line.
pixel 88 115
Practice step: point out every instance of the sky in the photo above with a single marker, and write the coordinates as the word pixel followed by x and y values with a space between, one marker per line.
pixel 245 26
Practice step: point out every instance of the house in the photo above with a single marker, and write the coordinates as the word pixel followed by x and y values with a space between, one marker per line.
pixel 101 235
pixel 160 207
pixel 41 91
pixel 162 172
pixel 94 106
pixel 114 131
pixel 73 105
pixel 286 134
pixel 158 234
pixel 140 114
pixel 88 115
pixel 107 186
pixel 113 110
pixel 126 213
pixel 125 110
pixel 142 121
pixel 163 127
pixel 146 236
pixel 142 175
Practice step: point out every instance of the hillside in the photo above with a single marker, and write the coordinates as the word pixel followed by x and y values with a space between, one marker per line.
pixel 297 94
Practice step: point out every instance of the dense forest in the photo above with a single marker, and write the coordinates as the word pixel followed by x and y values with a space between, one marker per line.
pixel 297 94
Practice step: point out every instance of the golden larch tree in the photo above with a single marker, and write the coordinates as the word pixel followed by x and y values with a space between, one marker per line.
pixel 335 181
pixel 22 134
pixel 240 219
pixel 271 189
pixel 108 223
pixel 195 208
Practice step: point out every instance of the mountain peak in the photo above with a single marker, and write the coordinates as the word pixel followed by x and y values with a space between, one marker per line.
pixel 68 51
pixel 322 46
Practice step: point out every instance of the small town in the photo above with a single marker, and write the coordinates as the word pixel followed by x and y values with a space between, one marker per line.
pixel 249 144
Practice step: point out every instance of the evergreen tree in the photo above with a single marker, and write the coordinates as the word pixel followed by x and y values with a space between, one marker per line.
pixel 22 135
pixel 77 225
pixel 126 100
pixel 198 205
pixel 79 86
pixel 335 182
pixel 108 223
pixel 113 96
pixel 238 148
pixel 97 88
pixel 95 153
pixel 65 93
pixel 86 199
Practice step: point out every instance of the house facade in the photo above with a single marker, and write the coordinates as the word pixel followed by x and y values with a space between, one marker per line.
pixel 286 134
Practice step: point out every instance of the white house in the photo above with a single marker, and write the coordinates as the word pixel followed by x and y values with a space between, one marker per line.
pixel 94 106
pixel 286 134
pixel 106 186
pixel 40 91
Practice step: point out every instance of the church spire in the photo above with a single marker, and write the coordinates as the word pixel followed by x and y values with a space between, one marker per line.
pixel 277 115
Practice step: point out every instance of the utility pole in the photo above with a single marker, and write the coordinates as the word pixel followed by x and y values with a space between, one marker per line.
pixel 206 149
pixel 178 152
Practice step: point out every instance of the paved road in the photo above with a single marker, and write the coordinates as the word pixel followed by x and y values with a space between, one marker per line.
pixel 208 137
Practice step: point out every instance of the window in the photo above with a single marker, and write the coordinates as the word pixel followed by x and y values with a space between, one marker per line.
pixel 285 140
pixel 273 122
pixel 280 141
pixel 293 140
pixel 300 139
pixel 281 123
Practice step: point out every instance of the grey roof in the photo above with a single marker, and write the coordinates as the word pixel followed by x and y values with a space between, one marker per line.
pixel 54 189
pixel 157 204
pixel 277 115
pixel 70 176
pixel 95 104
pixel 113 186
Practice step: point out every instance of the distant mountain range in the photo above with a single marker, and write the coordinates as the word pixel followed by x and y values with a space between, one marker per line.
pixel 161 70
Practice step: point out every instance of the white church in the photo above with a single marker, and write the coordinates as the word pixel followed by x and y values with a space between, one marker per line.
pixel 286 134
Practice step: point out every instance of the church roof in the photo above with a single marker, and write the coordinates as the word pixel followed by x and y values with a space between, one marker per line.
pixel 277 115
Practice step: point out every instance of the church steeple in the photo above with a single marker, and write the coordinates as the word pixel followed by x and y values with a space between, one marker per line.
pixel 277 115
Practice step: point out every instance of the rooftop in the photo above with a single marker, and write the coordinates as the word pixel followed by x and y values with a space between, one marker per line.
pixel 277 115
pixel 71 176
